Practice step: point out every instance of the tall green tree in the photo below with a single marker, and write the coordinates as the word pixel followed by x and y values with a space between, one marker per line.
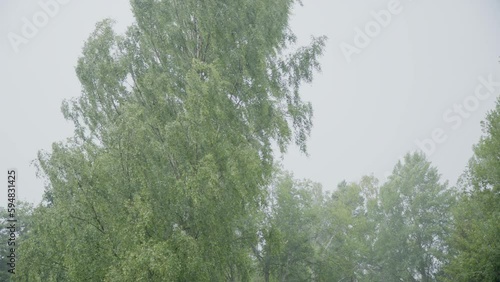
pixel 476 236
pixel 173 145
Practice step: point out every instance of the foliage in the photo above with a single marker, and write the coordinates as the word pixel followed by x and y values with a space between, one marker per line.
pixel 476 240
pixel 414 219
pixel 173 145
pixel 285 251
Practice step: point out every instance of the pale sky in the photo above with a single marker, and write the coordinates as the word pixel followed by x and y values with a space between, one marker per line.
pixel 425 61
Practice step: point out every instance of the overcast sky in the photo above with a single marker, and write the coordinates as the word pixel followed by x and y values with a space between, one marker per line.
pixel 395 73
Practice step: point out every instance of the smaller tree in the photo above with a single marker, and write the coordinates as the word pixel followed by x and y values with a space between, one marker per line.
pixel 414 218
pixel 344 236
pixel 290 226
pixel 476 239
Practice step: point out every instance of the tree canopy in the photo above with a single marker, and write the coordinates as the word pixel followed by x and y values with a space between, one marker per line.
pixel 175 130
pixel 476 240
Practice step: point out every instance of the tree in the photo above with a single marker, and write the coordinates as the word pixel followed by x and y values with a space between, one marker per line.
pixel 413 223
pixel 290 226
pixel 342 242
pixel 476 239
pixel 173 144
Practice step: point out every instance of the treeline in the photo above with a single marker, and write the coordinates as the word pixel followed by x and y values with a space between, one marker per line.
pixel 411 228
pixel 171 173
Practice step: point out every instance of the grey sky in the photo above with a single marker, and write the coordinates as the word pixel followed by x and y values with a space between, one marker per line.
pixel 368 112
